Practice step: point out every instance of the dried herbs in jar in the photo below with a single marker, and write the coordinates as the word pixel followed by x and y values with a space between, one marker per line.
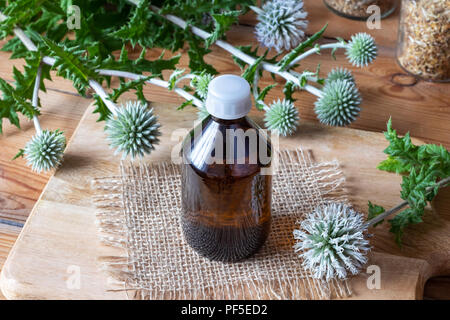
pixel 424 39
pixel 357 9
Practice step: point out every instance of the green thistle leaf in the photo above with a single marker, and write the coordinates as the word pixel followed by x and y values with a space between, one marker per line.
pixel 222 23
pixel 262 95
pixel 137 85
pixel 70 66
pixel 374 211
pixel 286 61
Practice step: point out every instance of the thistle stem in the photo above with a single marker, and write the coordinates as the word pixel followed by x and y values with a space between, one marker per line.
pixel 104 96
pixel 94 84
pixel 157 82
pixel 35 99
pixel 255 92
pixel 401 205
pixel 234 51
pixel 51 61
pixel 312 51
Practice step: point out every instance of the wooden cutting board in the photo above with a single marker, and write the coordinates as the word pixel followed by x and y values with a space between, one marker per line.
pixel 60 236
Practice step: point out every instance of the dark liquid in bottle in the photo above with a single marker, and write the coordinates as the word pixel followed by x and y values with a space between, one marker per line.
pixel 226 206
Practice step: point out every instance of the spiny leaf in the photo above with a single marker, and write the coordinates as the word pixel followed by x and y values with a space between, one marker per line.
pixel 141 64
pixel 14 102
pixel 101 108
pixel 392 164
pixel 286 61
pixel 25 80
pixel 374 211
pixel 185 104
pixel 250 72
pixel 196 55
pixel 288 90
pixel 253 52
pixel 423 166
pixel 131 85
pixel 222 23
pixel 139 29
pixel 19 154
pixel 174 77
pixel 262 95
pixel 70 66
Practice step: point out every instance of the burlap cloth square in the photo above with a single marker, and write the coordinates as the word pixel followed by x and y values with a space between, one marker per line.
pixel 139 211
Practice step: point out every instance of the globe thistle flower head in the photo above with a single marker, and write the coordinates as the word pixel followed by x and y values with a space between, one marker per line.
pixel 361 50
pixel 133 131
pixel 282 24
pixel 45 150
pixel 339 103
pixel 282 116
pixel 340 74
pixel 201 83
pixel 332 242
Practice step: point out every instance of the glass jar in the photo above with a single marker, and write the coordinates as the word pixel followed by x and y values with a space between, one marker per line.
pixel 357 9
pixel 423 47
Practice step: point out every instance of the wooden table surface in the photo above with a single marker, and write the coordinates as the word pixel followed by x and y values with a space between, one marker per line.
pixel 422 108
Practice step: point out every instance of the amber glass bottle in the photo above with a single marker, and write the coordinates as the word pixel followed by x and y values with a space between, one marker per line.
pixel 226 185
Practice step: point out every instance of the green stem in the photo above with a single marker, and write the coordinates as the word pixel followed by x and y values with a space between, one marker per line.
pixel 314 50
pixel 401 205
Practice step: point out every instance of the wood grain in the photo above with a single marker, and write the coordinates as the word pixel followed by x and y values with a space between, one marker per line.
pixel 422 108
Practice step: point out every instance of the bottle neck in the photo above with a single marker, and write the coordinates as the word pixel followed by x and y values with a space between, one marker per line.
pixel 229 122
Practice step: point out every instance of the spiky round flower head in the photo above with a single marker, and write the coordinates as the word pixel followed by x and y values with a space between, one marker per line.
pixel 340 74
pixel 361 50
pixel 134 131
pixel 339 103
pixel 331 241
pixel 201 83
pixel 202 113
pixel 281 24
pixel 45 150
pixel 282 116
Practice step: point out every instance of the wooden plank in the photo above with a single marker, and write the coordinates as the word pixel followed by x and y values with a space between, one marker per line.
pixel 8 235
pixel 19 187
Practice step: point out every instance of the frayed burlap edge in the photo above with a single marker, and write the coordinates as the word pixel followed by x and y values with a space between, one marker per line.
pixel 112 221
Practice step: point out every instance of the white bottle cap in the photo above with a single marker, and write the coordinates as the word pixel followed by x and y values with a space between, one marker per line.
pixel 228 97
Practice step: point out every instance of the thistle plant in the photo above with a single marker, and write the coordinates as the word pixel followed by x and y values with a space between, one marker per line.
pixel 282 116
pixel 134 130
pixel 201 83
pixel 340 74
pixel 89 58
pixel 45 150
pixel 282 24
pixel 339 103
pixel 331 241
pixel 361 49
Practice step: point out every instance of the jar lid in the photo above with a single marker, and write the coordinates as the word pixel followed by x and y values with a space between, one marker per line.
pixel 228 97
